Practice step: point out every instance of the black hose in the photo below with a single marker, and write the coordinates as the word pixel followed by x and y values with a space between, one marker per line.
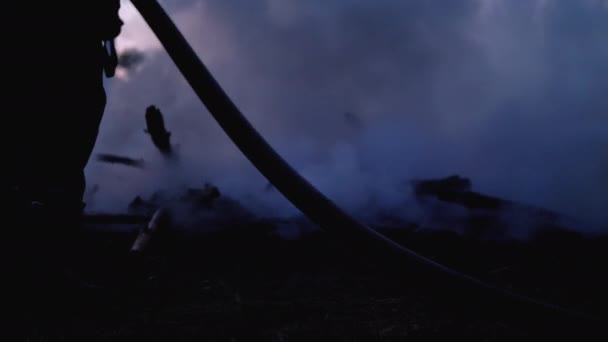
pixel 292 185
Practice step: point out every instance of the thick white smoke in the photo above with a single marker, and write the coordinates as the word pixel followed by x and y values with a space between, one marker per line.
pixel 362 96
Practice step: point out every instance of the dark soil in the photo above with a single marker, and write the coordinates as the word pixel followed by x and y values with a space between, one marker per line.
pixel 246 283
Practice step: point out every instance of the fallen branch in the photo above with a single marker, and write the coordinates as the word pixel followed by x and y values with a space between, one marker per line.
pixel 160 220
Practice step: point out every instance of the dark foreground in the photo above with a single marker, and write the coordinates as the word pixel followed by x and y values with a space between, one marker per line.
pixel 248 284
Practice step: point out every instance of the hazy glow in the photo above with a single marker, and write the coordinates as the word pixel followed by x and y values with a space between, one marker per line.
pixel 135 32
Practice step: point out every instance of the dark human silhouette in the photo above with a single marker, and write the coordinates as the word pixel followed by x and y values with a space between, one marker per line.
pixel 55 55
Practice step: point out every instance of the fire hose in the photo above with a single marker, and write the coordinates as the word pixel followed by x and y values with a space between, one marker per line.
pixel 315 205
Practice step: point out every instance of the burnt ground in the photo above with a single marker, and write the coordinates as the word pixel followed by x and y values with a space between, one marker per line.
pixel 246 283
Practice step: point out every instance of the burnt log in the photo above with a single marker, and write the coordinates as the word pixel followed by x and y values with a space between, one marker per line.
pixel 436 187
pixel 456 189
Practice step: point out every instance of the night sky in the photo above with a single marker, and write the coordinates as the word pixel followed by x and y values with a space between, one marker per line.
pixel 362 96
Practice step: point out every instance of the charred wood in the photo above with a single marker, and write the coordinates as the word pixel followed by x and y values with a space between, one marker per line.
pixel 157 131
pixel 115 159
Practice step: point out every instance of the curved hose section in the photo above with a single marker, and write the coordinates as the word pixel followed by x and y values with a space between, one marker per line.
pixel 292 185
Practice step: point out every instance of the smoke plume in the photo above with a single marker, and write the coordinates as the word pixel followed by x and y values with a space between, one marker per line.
pixel 363 96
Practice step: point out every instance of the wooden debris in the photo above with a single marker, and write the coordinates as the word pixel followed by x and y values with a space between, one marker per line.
pixel 160 220
pixel 156 128
pixel 114 159
pixel 457 190
pixel 204 197
pixel 140 206
pixel 437 187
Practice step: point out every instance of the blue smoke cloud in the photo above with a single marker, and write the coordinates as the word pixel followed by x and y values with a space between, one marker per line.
pixel 362 96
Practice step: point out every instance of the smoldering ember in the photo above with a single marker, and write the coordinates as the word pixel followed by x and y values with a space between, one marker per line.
pixel 371 171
